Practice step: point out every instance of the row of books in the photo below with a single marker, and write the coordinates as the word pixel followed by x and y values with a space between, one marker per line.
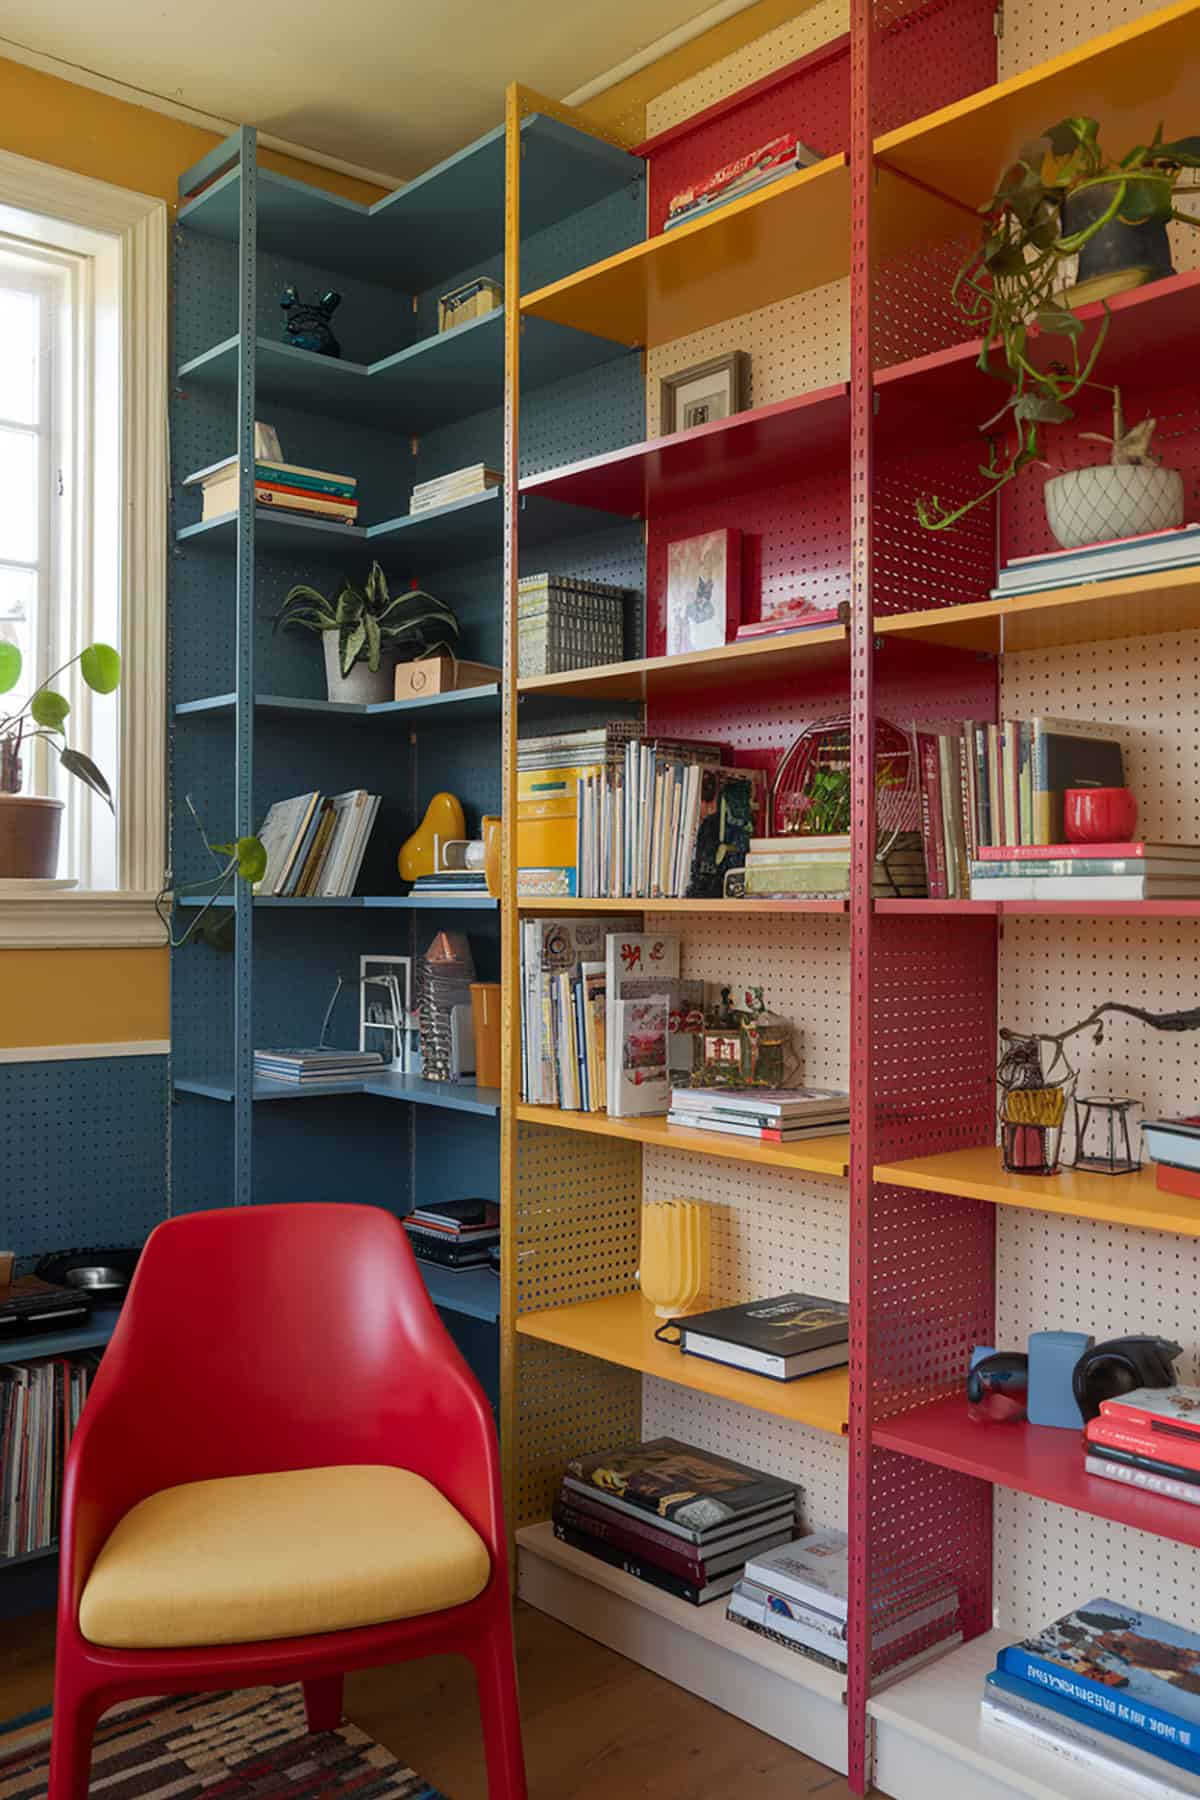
pixel 317 1064
pixel 287 487
pixel 795 867
pixel 1148 1439
pixel 986 785
pixel 1109 1689
pixel 1147 554
pixel 315 844
pixel 1133 871
pixel 40 1404
pixel 459 484
pixel 770 1115
pixel 565 622
pixel 746 173
pixel 455 1234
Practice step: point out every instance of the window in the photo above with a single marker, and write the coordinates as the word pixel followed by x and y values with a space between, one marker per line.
pixel 83 485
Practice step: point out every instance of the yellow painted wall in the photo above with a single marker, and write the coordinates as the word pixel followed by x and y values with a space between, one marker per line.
pixel 102 996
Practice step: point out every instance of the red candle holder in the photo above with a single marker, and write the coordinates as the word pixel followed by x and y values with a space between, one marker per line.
pixel 1099 815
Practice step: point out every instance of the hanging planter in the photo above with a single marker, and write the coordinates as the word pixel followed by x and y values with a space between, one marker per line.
pixel 1115 254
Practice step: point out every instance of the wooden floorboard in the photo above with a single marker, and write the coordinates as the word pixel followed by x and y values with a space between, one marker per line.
pixel 595 1725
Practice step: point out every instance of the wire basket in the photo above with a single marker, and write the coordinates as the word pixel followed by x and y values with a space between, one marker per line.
pixel 811 793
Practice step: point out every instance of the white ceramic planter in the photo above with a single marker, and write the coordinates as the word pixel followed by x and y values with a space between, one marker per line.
pixel 360 687
pixel 1088 506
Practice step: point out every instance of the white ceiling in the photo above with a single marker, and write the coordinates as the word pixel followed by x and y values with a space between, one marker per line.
pixel 389 84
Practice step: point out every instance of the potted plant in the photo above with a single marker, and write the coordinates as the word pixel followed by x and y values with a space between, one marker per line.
pixel 30 823
pixel 368 630
pixel 1064 198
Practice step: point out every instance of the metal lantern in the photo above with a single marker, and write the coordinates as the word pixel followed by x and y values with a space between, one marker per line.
pixel 1033 1106
pixel 1102 1145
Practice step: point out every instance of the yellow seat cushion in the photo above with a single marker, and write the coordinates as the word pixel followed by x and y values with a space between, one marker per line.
pixel 253 1557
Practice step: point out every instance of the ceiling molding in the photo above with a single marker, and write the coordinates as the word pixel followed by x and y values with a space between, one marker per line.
pixel 661 46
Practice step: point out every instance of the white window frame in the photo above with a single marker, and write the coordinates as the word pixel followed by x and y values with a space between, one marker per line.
pixel 135 227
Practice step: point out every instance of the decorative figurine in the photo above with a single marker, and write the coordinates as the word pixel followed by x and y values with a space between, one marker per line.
pixel 307 324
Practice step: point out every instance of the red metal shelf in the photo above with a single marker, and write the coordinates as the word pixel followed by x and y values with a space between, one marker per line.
pixel 755 449
pixel 1032 1459
pixel 1049 909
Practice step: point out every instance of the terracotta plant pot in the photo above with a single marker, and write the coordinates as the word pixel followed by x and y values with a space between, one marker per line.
pixel 360 687
pixel 1090 506
pixel 29 832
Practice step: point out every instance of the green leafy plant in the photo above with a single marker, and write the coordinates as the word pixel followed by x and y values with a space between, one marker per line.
pixel 245 860
pixel 1011 287
pixel 371 621
pixel 45 713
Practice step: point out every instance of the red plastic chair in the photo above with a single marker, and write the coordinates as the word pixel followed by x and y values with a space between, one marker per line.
pixel 262 1339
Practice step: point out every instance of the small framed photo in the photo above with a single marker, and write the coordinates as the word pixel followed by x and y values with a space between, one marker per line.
pixel 704 591
pixel 705 393
pixel 384 1006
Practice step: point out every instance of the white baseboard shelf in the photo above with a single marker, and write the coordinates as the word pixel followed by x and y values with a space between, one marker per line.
pixel 790 1698
pixel 931 1741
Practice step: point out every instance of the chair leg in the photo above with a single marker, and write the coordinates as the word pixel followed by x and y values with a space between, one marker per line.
pixel 499 1712
pixel 73 1727
pixel 323 1702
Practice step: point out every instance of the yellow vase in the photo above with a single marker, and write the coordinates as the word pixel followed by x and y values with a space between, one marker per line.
pixel 493 844
pixel 674 1262
pixel 443 819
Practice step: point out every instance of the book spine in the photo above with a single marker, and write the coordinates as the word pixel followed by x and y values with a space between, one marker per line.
pixel 627 1537
pixel 637 1566
pixel 1133 1476
pixel 294 479
pixel 1064 852
pixel 1110 1719
pixel 1153 1723
pixel 1121 1413
pixel 1102 1760
pixel 1141 1441
pixel 931 815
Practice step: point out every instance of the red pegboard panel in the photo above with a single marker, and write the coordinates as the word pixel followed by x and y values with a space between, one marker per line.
pixel 917 569
pixel 757 719
pixel 928 54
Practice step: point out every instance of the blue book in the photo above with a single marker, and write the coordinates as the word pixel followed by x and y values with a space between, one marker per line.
pixel 1119 1664
pixel 999 1683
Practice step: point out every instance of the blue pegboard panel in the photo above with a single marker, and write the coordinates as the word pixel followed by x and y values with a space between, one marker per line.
pixel 455 1157
pixel 84 1151
pixel 617 555
pixel 201 1151
pixel 588 414
pixel 587 236
pixel 346 1147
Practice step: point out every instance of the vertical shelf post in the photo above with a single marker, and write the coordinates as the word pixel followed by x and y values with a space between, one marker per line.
pixel 243 999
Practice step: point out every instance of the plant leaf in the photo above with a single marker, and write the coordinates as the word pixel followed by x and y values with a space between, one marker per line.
pixel 1185 151
pixel 1044 407
pixel 10 666
pixel 251 859
pixel 1146 197
pixel 1073 133
pixel 85 770
pixel 49 709
pixel 100 666
pixel 377 589
pixel 371 627
pixel 352 642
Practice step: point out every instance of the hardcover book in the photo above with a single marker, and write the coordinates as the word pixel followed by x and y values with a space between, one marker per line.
pixel 1152 1407
pixel 782 1339
pixel 719 1553
pixel 1111 1721
pixel 666 1479
pixel 1087 1742
pixel 646 1571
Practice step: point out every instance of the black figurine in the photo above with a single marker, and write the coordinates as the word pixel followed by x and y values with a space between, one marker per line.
pixel 308 326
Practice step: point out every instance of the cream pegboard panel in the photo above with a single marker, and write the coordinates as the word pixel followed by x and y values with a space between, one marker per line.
pixel 814 1460
pixel 795 345
pixel 813 26
pixel 567 1402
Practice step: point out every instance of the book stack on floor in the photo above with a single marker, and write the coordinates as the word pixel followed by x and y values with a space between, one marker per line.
pixel 678 1518
pixel 782 1339
pixel 315 844
pixel 316 1065
pixel 799 1595
pixel 565 622
pixel 40 1404
pixel 771 1115
pixel 818 868
pixel 459 484
pixel 756 169
pixel 1117 558
pixel 1149 1439
pixel 1109 1690
pixel 284 487
pixel 455 1234
pixel 1128 871
pixel 986 787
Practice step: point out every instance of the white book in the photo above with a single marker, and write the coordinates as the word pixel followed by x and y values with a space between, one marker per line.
pixel 637 1032
pixel 746 1606
pixel 358 850
pixel 1127 1768
pixel 1085 887
pixel 279 832
pixel 942 1606
pixel 815 1569
pixel 642 958
pixel 1166 1485
pixel 343 818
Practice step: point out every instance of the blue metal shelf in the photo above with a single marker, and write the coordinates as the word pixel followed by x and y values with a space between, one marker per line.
pixel 457 1097
pixel 475 1292
pixel 433 383
pixel 369 902
pixel 28 1556
pixel 467 703
pixel 91 1336
pixel 443 222
pixel 279 531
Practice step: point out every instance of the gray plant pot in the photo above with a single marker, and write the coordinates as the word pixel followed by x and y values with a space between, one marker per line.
pixel 360 687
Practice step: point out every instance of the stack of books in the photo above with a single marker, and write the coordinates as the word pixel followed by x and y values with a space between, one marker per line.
pixel 1137 871
pixel 1109 1689
pixel 1146 555
pixel 818 868
pixel 1002 785
pixel 307 1066
pixel 459 484
pixel 286 487
pixel 676 1517
pixel 455 1234
pixel 315 844
pixel 549 770
pixel 452 881
pixel 565 622
pixel 1173 1145
pixel 744 175
pixel 1149 1439
pixel 40 1404
pixel 772 1115
pixel 798 1595
pixel 781 1339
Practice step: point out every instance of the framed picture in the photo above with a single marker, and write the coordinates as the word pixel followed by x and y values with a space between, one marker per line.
pixel 709 391
pixel 384 1006
pixel 704 591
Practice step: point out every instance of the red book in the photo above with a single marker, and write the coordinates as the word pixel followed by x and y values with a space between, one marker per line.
pixel 1162 1441
pixel 675 1554
pixel 1177 1181
pixel 1057 852
pixel 931 815
pixel 1171 1411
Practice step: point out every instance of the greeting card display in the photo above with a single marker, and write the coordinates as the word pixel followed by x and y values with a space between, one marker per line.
pixel 704 591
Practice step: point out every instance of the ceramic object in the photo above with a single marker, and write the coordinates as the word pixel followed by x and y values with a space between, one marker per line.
pixel 29 834
pixel 485 1011
pixel 443 819
pixel 1090 506
pixel 493 850
pixel 674 1257
pixel 362 686
pixel 306 322
pixel 1099 815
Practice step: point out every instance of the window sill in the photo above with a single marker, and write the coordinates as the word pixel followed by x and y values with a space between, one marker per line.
pixel 77 920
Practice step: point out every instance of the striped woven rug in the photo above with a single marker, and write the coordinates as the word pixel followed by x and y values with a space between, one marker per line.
pixel 252 1745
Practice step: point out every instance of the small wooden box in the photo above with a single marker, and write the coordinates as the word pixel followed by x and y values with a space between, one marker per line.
pixel 474 300
pixel 440 675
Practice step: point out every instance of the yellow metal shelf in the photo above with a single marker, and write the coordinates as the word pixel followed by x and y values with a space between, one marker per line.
pixel 620 1329
pixel 818 1156
pixel 781 240
pixel 1139 606
pixel 1108 1199
pixel 765 908
pixel 655 677
pixel 1130 79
